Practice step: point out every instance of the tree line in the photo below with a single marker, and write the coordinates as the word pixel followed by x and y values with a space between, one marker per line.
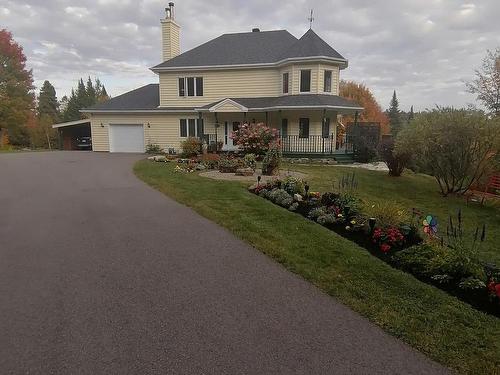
pixel 28 117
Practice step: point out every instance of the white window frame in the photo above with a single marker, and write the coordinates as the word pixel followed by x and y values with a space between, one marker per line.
pixel 331 80
pixel 196 119
pixel 310 80
pixel 283 82
pixel 185 79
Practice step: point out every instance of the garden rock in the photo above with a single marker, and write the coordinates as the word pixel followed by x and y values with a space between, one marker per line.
pixel 158 158
pixel 200 167
pixel 297 197
pixel 244 172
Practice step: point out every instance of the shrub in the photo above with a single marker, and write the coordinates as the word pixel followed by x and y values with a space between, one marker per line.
pixel 272 161
pixel 255 138
pixel 294 185
pixel 153 148
pixel 191 147
pixel 281 197
pixel 315 213
pixel 229 164
pixel 210 161
pixel 396 161
pixel 443 264
pixel 455 146
pixel 387 214
pixel 327 219
pixel 365 148
pixel 249 161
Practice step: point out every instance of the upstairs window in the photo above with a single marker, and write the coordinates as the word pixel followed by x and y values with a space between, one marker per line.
pixel 191 86
pixel 182 87
pixel 285 82
pixel 327 81
pixel 305 80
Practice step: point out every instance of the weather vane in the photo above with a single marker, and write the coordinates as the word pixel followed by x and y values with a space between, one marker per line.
pixel 311 19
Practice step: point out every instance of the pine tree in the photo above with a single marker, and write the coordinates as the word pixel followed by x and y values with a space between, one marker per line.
pixel 72 109
pixel 394 115
pixel 47 102
pixel 16 90
pixel 83 97
pixel 91 93
pixel 411 116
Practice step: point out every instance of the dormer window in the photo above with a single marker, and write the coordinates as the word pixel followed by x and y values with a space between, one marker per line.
pixel 191 86
pixel 327 81
pixel 305 80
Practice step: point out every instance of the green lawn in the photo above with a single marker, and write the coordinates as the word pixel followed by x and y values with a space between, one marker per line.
pixel 415 191
pixel 441 326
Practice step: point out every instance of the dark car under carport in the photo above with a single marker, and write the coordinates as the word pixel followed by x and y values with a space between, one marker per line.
pixel 74 135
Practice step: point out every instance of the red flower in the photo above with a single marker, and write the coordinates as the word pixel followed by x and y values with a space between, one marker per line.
pixel 385 247
pixel 494 288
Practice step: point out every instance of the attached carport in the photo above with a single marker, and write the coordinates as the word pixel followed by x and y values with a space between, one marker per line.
pixel 70 132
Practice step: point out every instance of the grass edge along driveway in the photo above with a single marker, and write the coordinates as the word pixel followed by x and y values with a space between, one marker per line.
pixel 444 328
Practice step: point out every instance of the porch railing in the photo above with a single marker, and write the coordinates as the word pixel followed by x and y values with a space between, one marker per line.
pixel 293 144
pixel 316 144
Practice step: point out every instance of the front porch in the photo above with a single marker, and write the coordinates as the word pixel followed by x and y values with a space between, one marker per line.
pixel 311 128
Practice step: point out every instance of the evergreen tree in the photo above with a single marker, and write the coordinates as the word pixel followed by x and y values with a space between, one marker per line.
pixel 72 109
pixel 411 116
pixel 16 90
pixel 394 115
pixel 83 97
pixel 47 102
pixel 91 93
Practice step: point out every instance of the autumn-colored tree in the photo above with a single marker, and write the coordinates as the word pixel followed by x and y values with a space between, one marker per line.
pixel 16 90
pixel 372 111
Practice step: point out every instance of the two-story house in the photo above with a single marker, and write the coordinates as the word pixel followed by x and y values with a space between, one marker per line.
pixel 259 76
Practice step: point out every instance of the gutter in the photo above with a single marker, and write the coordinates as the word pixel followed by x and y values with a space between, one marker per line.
pixel 343 64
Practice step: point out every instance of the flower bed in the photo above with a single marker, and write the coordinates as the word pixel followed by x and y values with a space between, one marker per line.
pixel 449 262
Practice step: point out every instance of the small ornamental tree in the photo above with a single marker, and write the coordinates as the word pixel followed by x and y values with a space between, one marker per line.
pixel 456 146
pixel 255 138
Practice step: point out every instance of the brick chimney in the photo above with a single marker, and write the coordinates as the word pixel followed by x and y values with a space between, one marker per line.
pixel 170 32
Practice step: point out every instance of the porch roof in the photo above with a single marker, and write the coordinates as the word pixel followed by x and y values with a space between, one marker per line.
pixel 291 102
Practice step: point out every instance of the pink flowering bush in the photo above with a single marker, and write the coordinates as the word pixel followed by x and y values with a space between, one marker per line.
pixel 255 138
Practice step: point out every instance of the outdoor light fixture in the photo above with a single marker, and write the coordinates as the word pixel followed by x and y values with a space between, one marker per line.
pixel 102 125
pixel 149 125
pixel 371 223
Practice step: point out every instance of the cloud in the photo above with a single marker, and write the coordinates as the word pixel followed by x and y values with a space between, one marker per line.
pixel 423 49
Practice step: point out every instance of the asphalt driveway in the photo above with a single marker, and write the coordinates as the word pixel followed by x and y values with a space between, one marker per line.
pixel 100 274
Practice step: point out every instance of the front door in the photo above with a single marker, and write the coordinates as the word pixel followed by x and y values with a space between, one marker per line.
pixel 228 130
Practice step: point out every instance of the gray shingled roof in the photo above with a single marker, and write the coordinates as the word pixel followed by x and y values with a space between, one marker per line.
pixel 310 44
pixel 253 48
pixel 299 101
pixel 142 98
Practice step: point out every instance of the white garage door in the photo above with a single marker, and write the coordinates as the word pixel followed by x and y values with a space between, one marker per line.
pixel 126 138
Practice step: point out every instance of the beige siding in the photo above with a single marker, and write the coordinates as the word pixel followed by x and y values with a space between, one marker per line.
pixel 335 78
pixel 170 39
pixel 163 128
pixel 219 85
pixel 295 82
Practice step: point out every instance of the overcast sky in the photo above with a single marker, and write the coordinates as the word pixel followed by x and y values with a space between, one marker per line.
pixel 424 49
